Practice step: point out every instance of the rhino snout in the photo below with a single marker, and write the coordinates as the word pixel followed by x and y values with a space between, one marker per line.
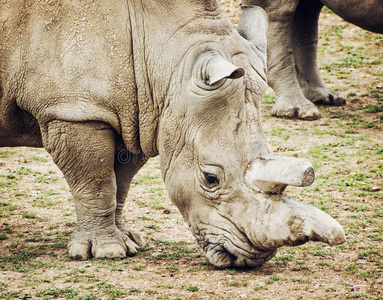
pixel 272 174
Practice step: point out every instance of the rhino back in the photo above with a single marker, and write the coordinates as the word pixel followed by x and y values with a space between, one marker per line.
pixel 67 60
pixel 367 14
pixel 110 61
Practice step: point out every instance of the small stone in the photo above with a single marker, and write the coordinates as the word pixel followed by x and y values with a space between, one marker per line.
pixel 375 189
pixel 358 144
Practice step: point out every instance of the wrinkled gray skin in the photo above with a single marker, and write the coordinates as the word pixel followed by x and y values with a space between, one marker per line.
pixel 104 85
pixel 292 49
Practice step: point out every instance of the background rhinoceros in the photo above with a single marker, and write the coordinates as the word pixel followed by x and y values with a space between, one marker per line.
pixel 89 80
pixel 292 49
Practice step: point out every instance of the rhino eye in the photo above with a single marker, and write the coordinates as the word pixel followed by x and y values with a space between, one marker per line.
pixel 211 179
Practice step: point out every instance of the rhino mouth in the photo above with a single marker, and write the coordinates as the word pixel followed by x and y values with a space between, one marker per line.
pixel 236 251
pixel 225 256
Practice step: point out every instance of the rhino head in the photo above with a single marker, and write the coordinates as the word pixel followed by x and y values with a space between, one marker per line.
pixel 217 165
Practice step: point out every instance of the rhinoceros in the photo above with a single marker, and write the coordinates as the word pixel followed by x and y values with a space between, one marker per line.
pixel 292 48
pixel 105 85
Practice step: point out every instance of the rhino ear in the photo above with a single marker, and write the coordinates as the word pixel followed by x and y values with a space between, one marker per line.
pixel 212 67
pixel 253 26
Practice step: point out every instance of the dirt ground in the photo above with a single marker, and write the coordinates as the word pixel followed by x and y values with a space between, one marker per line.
pixel 345 147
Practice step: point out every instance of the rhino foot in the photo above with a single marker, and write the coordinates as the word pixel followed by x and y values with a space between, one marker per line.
pixel 110 249
pixel 117 244
pixel 79 250
pixel 325 96
pixel 134 235
pixel 295 108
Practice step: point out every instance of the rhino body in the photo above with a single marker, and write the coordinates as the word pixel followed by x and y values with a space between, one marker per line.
pixel 104 85
pixel 292 48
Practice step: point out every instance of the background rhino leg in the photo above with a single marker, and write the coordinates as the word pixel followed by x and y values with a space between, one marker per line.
pixel 126 166
pixel 290 101
pixel 17 127
pixel 85 153
pixel 305 42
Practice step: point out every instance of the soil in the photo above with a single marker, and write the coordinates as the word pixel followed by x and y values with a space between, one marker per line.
pixel 345 147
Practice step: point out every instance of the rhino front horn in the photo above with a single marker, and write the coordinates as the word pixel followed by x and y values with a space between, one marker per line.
pixel 285 222
pixel 272 174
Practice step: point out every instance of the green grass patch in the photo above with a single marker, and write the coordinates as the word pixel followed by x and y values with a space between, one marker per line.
pixel 29 215
pixel 192 288
pixel 6 153
pixel 58 293
pixel 373 108
pixel 45 179
pixel 355 59
pixel 271 279
pixel 147 178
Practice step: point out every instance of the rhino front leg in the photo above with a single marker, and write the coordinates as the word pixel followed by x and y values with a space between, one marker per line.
pixel 305 42
pixel 126 166
pixel 290 101
pixel 85 153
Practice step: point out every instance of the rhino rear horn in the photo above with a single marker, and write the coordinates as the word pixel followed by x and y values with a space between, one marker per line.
pixel 212 67
pixel 253 26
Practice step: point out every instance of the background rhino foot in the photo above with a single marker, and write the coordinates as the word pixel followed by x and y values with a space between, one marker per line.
pixel 292 107
pixel 134 235
pixel 85 245
pixel 325 96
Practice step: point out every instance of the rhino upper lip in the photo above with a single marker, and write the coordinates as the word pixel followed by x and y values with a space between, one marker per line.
pixel 247 240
